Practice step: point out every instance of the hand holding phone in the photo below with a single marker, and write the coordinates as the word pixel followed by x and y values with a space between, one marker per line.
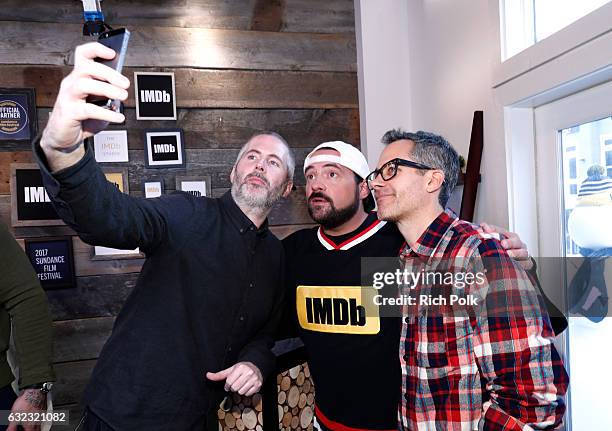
pixel 117 40
pixel 73 119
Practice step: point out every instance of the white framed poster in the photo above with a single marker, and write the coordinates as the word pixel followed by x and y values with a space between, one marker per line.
pixel 198 186
pixel 111 146
pixel 153 188
pixel 107 253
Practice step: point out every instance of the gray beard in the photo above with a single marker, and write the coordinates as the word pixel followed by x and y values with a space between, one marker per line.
pixel 256 201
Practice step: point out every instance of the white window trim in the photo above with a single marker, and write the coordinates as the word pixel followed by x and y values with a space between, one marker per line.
pixel 570 41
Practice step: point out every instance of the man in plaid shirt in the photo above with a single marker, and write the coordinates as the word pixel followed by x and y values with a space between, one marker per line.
pixel 488 364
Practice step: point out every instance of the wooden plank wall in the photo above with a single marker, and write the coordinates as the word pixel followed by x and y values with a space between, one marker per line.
pixel 240 66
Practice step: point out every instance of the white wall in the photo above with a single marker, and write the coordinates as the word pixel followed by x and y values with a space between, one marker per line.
pixel 383 70
pixel 449 48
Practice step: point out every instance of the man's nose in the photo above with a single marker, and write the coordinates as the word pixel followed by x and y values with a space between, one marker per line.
pixel 376 183
pixel 316 184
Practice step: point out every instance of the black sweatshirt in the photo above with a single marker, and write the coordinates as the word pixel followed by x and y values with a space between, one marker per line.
pixel 209 295
pixel 355 369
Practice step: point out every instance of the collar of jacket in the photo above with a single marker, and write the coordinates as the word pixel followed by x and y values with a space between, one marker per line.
pixel 238 218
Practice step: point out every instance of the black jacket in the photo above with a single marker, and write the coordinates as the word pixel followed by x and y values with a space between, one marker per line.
pixel 209 295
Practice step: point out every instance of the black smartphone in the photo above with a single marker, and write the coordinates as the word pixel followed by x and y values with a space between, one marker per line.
pixel 117 40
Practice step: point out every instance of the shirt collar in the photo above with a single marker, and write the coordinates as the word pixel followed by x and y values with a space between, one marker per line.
pixel 429 240
pixel 238 218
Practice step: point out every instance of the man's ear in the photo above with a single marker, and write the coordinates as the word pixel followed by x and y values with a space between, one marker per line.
pixel 288 188
pixel 364 190
pixel 436 180
pixel 233 174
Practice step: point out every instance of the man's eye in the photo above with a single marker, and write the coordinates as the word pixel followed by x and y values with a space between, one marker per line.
pixel 275 163
pixel 251 157
pixel 310 177
pixel 333 175
pixel 390 170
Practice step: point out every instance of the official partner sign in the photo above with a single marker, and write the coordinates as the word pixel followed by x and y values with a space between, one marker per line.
pixel 17 114
pixel 155 96
pixel 52 260
pixel 30 203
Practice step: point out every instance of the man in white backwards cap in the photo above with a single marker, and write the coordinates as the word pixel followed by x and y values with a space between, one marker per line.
pixel 353 353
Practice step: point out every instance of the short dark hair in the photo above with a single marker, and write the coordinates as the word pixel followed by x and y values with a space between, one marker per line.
pixel 434 151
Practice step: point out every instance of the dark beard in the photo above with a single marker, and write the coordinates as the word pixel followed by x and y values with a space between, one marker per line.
pixel 334 217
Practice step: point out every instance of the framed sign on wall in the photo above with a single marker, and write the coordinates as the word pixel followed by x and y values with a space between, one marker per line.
pixel 111 146
pixel 53 261
pixel 196 185
pixel 153 188
pixel 155 96
pixel 18 120
pixel 30 203
pixel 164 148
pixel 119 177
pixel 108 253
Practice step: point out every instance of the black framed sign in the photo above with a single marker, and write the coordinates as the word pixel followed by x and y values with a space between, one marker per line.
pixel 18 120
pixel 164 148
pixel 155 96
pixel 30 203
pixel 53 261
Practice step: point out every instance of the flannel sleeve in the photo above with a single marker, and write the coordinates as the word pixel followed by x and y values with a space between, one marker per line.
pixel 523 374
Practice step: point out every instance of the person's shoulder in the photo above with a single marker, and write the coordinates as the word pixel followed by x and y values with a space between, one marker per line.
pixel 297 240
pixel 300 235
pixel 186 211
pixel 472 237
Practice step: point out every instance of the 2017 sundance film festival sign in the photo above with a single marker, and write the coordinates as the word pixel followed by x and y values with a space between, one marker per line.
pixel 155 96
pixel 53 261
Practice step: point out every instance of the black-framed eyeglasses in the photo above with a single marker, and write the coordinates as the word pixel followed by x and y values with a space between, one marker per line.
pixel 389 169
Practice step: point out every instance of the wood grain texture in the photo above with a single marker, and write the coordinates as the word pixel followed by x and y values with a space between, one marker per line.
pixel 309 16
pixel 231 128
pixel 204 88
pixel 97 296
pixel 267 15
pixel 80 339
pixel 53 43
pixel 72 377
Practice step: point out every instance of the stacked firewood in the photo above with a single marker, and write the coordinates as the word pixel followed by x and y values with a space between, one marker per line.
pixel 295 405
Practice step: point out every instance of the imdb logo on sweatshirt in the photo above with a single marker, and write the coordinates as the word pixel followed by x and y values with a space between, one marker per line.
pixel 337 309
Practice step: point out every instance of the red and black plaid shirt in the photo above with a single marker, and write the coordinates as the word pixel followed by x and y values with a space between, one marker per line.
pixel 487 367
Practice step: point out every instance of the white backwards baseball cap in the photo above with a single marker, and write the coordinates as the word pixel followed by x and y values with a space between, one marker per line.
pixel 349 157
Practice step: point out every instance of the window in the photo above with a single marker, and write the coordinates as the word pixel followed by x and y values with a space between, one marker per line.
pixel 526 22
